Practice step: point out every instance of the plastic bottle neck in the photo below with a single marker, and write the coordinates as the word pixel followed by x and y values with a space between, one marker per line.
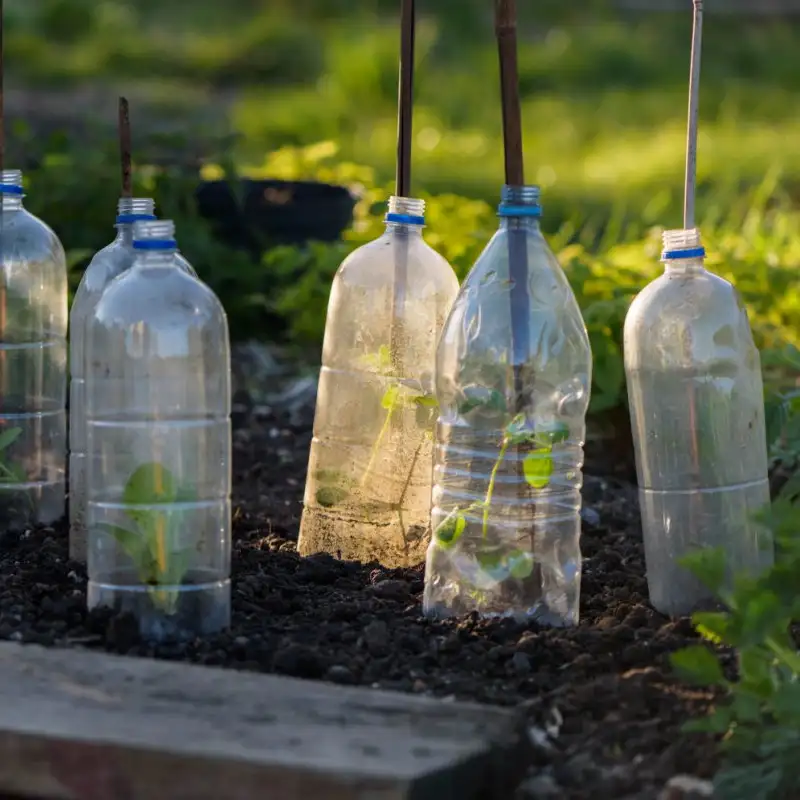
pixel 131 210
pixel 406 216
pixel 683 252
pixel 520 208
pixel 154 259
pixel 11 189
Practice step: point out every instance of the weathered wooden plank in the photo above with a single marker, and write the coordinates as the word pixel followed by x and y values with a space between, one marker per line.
pixel 85 726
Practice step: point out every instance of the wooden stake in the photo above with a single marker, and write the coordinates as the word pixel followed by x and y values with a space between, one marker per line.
pixel 519 299
pixel 125 146
pixel 506 29
pixel 694 105
pixel 2 87
pixel 405 103
pixel 405 100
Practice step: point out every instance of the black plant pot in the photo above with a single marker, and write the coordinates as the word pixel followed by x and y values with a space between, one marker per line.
pixel 270 212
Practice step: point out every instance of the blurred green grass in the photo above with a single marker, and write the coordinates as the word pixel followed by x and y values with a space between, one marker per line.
pixel 310 88
pixel 604 94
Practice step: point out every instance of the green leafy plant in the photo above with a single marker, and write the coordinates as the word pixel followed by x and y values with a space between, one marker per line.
pixel 151 541
pixel 537 468
pixel 759 716
pixel 10 473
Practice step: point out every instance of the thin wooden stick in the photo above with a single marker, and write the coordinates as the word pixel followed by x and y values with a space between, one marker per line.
pixel 125 146
pixel 694 105
pixel 506 29
pixel 405 100
pixel 519 299
pixel 405 103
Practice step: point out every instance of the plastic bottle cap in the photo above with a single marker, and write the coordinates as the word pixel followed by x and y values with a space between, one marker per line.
pixel 405 219
pixel 505 210
pixel 155 244
pixel 127 219
pixel 690 252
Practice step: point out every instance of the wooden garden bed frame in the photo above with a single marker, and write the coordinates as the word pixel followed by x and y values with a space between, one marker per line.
pixel 78 725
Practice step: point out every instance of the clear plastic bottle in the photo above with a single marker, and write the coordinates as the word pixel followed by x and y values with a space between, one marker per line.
pixel 697 411
pixel 157 361
pixel 33 365
pixel 369 474
pixel 513 381
pixel 107 263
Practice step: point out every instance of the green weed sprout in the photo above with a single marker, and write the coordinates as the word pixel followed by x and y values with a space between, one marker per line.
pixel 537 467
pixel 152 542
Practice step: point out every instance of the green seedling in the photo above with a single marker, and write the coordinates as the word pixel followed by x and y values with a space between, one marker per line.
pixel 152 540
pixel 537 468
pixel 10 473
pixel 398 396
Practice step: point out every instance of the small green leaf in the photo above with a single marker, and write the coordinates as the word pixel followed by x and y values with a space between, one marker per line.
pixel 520 564
pixel 493 564
pixel 537 467
pixel 134 545
pixel 384 355
pixel 9 436
pixel 762 614
pixel 698 665
pixel 755 671
pixel 707 565
pixel 451 528
pixel 480 397
pixel 547 436
pixel 426 406
pixel 718 721
pixel 713 626
pixel 390 397
pixel 746 707
pixel 150 484
pixel 328 496
pixel 333 476
pixel 517 432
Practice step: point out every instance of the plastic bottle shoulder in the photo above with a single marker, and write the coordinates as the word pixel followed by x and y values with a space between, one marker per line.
pixel 160 296
pixel 373 264
pixel 688 320
pixel 28 238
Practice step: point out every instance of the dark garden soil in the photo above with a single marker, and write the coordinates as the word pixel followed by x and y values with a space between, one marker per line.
pixel 605 713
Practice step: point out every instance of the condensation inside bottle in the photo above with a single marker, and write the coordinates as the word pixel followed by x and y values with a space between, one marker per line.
pixel 513 395
pixel 159 446
pixel 106 265
pixel 369 475
pixel 33 365
pixel 697 411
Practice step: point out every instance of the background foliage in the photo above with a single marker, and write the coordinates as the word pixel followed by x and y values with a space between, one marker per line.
pixel 307 89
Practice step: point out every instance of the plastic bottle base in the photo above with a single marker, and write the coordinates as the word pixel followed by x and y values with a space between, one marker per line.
pixel 166 613
pixel 352 540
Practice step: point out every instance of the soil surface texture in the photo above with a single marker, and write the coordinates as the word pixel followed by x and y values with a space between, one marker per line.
pixel 605 713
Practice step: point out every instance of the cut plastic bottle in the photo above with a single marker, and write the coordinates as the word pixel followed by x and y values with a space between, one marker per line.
pixel 33 365
pixel 513 385
pixel 157 361
pixel 369 473
pixel 106 265
pixel 697 410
